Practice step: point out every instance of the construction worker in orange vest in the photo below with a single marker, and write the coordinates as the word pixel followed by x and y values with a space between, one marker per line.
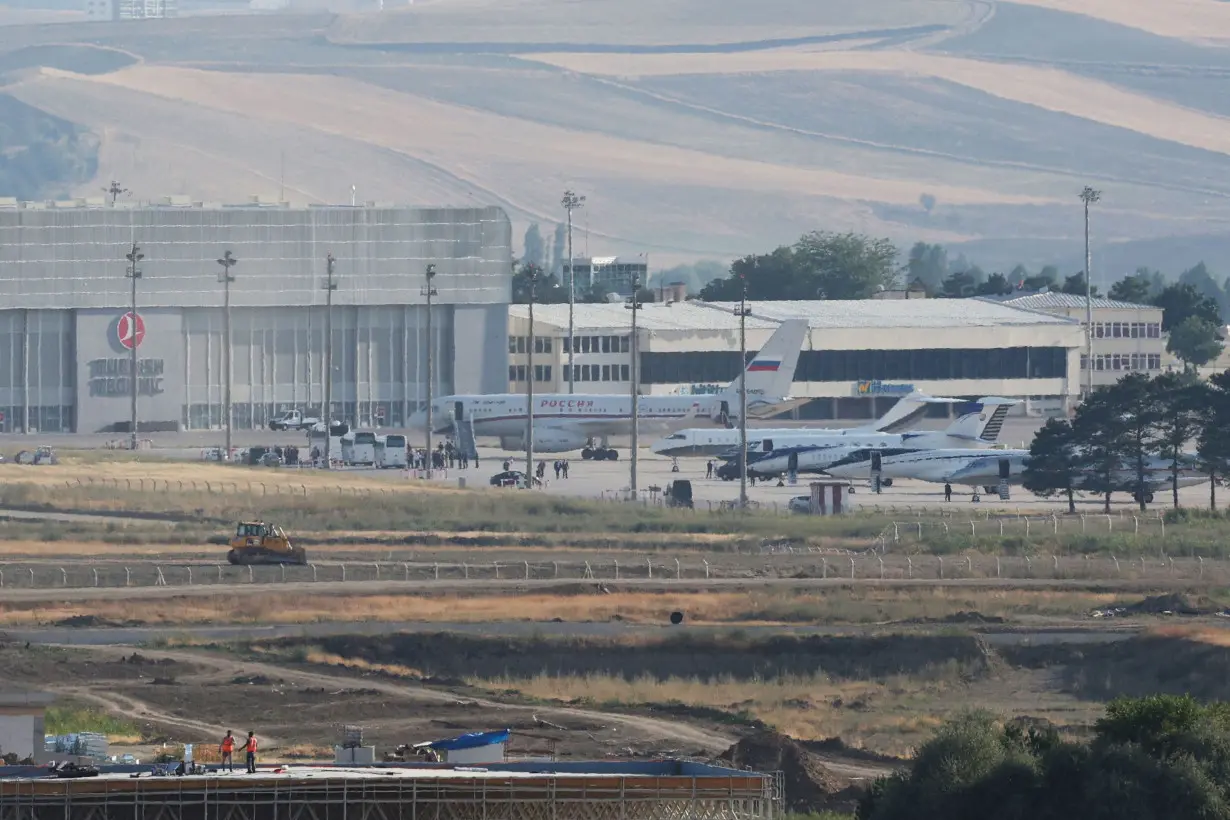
pixel 250 748
pixel 227 748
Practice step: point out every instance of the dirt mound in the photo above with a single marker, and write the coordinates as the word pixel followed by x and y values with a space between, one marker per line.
pixel 809 786
pixel 1172 603
pixel 86 621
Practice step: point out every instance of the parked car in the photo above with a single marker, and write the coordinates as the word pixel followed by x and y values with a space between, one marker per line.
pixel 511 478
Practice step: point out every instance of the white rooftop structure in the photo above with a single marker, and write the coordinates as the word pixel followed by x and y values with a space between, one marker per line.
pixel 1053 300
pixel 890 313
pixel 652 317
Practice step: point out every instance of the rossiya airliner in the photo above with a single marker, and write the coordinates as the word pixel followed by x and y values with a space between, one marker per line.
pixel 564 422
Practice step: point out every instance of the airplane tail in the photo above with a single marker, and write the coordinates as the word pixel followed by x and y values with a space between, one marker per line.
pixel 903 414
pixel 770 373
pixel 981 421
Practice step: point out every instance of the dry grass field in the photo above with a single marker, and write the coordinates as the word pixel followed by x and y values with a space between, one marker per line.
pixel 745 128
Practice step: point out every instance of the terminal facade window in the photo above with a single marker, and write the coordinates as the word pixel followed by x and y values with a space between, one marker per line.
pixel 601 372
pixel 599 344
pixel 518 344
pixel 1130 362
pixel 860 365
pixel 542 372
pixel 1127 330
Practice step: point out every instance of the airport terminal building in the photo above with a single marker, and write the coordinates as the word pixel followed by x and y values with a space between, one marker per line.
pixel 858 358
pixel 66 329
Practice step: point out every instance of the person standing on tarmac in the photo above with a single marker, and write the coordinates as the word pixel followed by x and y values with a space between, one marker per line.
pixel 250 748
pixel 228 749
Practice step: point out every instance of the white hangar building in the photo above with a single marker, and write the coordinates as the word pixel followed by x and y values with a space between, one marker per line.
pixel 858 358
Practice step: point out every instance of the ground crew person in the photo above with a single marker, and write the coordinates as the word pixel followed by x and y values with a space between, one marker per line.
pixel 947 492
pixel 250 748
pixel 227 748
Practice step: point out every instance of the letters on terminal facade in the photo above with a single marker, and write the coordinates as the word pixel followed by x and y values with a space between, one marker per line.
pixel 111 378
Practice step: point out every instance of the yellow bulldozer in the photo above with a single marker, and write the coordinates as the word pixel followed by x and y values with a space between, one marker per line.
pixel 256 542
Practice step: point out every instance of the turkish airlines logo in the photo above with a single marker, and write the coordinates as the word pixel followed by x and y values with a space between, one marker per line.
pixel 130 330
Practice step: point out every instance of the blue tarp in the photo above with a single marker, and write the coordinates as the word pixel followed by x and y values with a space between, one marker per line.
pixel 468 741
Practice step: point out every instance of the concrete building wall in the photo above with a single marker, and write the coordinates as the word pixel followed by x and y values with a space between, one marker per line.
pixel 21 733
pixel 65 367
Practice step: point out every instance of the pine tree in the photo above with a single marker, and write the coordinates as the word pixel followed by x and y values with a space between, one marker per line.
pixel 1054 464
pixel 1213 440
pixel 1179 398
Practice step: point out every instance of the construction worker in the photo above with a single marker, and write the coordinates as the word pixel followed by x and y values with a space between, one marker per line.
pixel 250 748
pixel 227 748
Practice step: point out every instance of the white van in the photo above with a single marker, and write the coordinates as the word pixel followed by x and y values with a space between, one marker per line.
pixel 391 451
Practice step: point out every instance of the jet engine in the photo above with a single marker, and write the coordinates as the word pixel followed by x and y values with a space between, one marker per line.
pixel 547 441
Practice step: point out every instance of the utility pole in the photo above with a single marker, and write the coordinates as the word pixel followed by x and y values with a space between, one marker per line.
pixel 636 393
pixel 329 286
pixel 1088 196
pixel 135 331
pixel 114 190
pixel 226 277
pixel 429 291
pixel 571 202
pixel 743 314
pixel 532 275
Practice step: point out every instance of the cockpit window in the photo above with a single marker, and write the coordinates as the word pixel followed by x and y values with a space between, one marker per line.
pixel 676 437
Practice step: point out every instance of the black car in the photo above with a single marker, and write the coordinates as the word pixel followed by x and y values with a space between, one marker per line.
pixel 511 478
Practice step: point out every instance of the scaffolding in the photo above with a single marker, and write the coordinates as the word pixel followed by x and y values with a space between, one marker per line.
pixel 690 792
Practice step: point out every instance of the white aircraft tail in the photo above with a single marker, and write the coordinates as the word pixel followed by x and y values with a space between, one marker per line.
pixel 903 414
pixel 982 421
pixel 770 373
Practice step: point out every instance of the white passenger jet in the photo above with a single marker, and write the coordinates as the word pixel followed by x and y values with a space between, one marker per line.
pixel 988 470
pixel 978 426
pixel 716 441
pixel 568 421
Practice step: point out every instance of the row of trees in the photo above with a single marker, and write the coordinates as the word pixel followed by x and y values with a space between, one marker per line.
pixel 1123 431
pixel 1160 757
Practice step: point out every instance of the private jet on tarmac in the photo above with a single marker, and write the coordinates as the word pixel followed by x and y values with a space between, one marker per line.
pixel 993 470
pixel 716 441
pixel 977 427
pixel 564 422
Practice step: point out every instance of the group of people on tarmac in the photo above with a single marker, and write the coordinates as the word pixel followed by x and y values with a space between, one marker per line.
pixel 228 750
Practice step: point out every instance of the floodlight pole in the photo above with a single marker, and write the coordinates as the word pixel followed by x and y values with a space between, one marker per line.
pixel 226 277
pixel 330 285
pixel 636 393
pixel 743 312
pixel 133 272
pixel 1088 196
pixel 571 202
pixel 532 275
pixel 429 291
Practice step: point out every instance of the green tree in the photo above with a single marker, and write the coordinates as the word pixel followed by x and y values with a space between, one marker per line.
pixel 1048 278
pixel 770 277
pixel 1140 413
pixel 927 264
pixel 1180 301
pixel 1203 282
pixel 1213 440
pixel 996 285
pixel 1135 288
pixel 547 290
pixel 535 252
pixel 960 284
pixel 1180 400
pixel 1099 426
pixel 1195 341
pixel 847 265
pixel 1075 284
pixel 1054 462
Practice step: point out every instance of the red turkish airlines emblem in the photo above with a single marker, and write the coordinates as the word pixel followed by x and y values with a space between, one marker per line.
pixel 130 330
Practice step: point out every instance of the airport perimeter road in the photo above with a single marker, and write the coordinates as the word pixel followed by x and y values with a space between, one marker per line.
pixel 134 636
pixel 488 585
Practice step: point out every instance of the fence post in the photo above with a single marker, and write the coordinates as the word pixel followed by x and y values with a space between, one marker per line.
pixel 1054 524
pixel 1171 567
pixel 1029 566
pixel 313 572
pixel 649 567
pixel 527 570
pixel 824 571
pixel 1135 526
pixel 1001 528
pixel 941 560
pixel 497 570
pixel 972 534
pixel 344 573
pixel 465 570
pixel 63 577
pixel 998 569
pixel 127 577
pixel 678 570
pixel 162 581
pixel 436 570
pixel 1026 529
pixel 283 566
pixel 616 568
pixel 1162 521
pixel 376 564
pixel 1055 561
pixel 1110 523
pixel 851 569
pixel 896 534
pixel 189 575
pixel 919 530
pixel 1116 560
pixel 706 560
pixel 96 576
pixel 589 571
pixel 881 568
pixel 909 564
pixel 250 574
pixel 555 569
pixel 1082 523
pixel 1 579
pixel 406 568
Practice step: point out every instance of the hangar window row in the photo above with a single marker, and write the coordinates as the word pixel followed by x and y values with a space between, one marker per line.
pixel 861 365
